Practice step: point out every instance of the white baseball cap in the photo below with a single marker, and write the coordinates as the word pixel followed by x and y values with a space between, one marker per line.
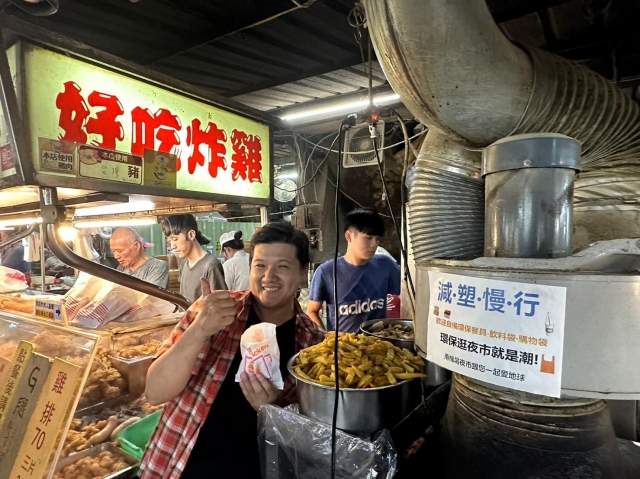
pixel 230 236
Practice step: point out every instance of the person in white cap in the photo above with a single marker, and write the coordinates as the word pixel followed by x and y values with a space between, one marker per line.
pixel 236 267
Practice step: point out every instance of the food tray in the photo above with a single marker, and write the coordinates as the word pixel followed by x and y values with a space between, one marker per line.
pixel 134 372
pixel 401 343
pixel 134 438
pixel 108 404
pixel 95 451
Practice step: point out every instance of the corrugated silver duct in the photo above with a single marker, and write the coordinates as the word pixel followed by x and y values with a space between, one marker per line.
pixel 452 66
pixel 570 99
pixel 446 201
pixel 455 70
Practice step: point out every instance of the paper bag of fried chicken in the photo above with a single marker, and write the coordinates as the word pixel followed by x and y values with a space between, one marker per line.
pixel 260 353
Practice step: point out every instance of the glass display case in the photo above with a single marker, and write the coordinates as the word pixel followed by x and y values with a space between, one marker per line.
pixel 113 361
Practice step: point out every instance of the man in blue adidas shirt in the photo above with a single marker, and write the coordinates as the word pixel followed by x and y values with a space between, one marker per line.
pixel 364 278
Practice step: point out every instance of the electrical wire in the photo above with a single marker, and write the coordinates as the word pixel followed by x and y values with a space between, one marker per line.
pixel 308 182
pixel 393 218
pixel 306 166
pixel 417 135
pixel 336 318
pixel 403 202
pixel 346 195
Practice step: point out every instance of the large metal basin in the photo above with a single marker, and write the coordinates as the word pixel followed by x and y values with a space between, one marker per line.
pixel 360 411
pixel 401 343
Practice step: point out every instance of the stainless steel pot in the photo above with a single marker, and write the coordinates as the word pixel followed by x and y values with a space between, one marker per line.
pixel 401 343
pixel 360 411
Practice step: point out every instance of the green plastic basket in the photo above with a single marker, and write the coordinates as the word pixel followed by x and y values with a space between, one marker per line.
pixel 135 438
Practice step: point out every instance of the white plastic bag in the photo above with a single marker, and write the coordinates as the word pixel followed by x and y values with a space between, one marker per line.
pixel 114 302
pixel 260 353
pixel 146 307
pixel 83 291
pixel 12 280
pixel 110 302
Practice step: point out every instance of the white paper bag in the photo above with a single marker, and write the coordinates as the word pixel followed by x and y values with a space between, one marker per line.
pixel 260 353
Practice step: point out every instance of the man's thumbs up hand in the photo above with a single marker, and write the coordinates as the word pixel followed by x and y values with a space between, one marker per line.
pixel 216 310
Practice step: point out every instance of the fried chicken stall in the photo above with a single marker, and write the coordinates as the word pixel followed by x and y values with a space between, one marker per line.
pixel 107 396
pixel 83 150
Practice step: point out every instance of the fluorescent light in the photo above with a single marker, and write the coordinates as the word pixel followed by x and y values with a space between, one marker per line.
pixel 342 107
pixel 67 233
pixel 115 222
pixel 20 222
pixel 133 207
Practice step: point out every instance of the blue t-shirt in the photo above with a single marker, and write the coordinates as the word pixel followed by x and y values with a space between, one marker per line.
pixel 362 290
pixel 13 257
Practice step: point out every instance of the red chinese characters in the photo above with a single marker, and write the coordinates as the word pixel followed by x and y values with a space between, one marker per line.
pixel 105 122
pixel 213 138
pixel 246 161
pixel 99 118
pixel 147 128
pixel 73 113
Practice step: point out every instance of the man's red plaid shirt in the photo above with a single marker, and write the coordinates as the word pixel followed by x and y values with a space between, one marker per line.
pixel 174 438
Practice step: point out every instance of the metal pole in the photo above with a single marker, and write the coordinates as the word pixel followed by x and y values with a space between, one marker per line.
pixel 43 238
pixel 264 215
pixel 52 214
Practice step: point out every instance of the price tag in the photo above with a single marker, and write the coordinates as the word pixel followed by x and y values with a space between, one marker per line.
pixel 51 310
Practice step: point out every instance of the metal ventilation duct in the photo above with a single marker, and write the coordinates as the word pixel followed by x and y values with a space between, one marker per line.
pixel 456 71
pixel 446 201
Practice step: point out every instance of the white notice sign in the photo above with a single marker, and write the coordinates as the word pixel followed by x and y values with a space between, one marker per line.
pixel 500 332
pixel 49 310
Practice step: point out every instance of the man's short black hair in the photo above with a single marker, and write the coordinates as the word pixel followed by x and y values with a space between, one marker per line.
pixel 365 220
pixel 175 224
pixel 283 232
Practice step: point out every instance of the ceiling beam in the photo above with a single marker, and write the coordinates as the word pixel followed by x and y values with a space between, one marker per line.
pixel 224 25
pixel 326 68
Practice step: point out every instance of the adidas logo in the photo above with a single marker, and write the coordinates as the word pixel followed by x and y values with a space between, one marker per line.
pixel 361 306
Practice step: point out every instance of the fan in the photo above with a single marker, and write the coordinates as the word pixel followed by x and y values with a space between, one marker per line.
pixel 284 190
pixel 105 232
pixel 358 146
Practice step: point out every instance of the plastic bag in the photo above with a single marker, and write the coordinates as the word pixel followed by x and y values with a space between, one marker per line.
pixel 83 291
pixel 12 280
pixel 294 446
pixel 260 353
pixel 94 302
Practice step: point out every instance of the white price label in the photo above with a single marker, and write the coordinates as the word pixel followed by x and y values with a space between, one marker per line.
pixel 48 310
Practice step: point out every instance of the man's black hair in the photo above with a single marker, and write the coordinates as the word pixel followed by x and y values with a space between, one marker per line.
pixel 175 224
pixel 365 220
pixel 283 232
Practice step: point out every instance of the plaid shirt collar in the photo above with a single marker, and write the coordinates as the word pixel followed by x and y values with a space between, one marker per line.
pixel 174 438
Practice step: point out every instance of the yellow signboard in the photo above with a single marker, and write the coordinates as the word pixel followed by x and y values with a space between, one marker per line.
pixel 86 121
pixel 42 432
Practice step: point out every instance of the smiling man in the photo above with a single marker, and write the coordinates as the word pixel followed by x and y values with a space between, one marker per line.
pixel 127 247
pixel 208 428
pixel 364 278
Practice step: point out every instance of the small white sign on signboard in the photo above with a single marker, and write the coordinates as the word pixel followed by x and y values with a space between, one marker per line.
pixel 500 332
pixel 51 310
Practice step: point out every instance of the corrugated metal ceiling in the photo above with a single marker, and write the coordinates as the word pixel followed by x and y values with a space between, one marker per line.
pixel 239 50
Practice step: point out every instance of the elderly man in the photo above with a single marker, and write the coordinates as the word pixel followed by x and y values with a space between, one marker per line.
pixel 208 428
pixel 127 248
